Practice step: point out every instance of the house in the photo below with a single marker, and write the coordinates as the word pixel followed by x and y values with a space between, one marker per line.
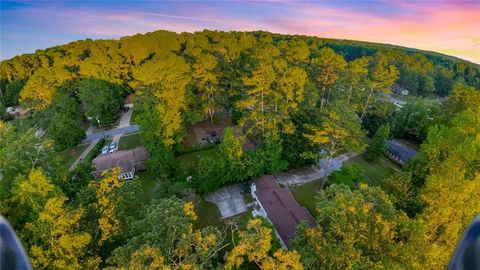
pixel 128 101
pixel 279 207
pixel 397 89
pixel 129 161
pixel 399 151
pixel 16 111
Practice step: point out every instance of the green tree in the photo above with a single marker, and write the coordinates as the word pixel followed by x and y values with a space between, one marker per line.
pixel 102 100
pixel 354 78
pixel 378 145
pixel 161 83
pixel 20 152
pixel 11 92
pixel 65 131
pixel 164 79
pixel 414 119
pixel 381 76
pixel 274 92
pixel 359 229
pixel 231 153
pixel 327 68
pixel 42 86
pixel 450 194
pixel 350 175
pixel 205 76
pixel 29 195
pixel 339 132
pixel 255 246
pixel 167 226
pixel 55 240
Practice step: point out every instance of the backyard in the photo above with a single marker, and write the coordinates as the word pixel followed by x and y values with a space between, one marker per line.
pixel 305 194
pixel 187 161
pixel 375 171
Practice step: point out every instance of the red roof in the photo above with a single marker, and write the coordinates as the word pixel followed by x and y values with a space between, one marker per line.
pixel 282 209
pixel 125 159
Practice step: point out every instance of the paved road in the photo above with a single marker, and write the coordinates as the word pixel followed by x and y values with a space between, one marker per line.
pixel 112 132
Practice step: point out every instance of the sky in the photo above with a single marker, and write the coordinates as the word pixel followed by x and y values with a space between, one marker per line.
pixel 449 27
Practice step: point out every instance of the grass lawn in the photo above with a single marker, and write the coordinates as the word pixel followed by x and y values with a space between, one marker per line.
pixel 150 184
pixel 129 141
pixel 207 214
pixel 135 113
pixel 189 160
pixel 108 141
pixel 377 170
pixel 71 155
pixel 305 194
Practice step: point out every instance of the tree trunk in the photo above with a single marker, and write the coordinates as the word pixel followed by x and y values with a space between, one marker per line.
pixel 328 96
pixel 366 104
pixel 321 99
pixel 350 93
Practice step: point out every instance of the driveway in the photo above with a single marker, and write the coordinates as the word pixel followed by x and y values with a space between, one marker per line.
pixel 229 200
pixel 319 171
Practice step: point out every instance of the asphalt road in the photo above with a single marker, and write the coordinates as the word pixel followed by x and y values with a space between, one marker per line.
pixel 111 133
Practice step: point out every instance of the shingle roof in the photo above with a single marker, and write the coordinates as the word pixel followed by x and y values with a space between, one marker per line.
pixel 400 150
pixel 128 99
pixel 282 209
pixel 124 159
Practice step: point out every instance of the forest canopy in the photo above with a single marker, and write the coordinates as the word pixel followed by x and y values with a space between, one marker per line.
pixel 296 99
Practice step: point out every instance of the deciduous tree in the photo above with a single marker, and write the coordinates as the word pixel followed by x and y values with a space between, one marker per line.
pixel 254 246
pixel 378 145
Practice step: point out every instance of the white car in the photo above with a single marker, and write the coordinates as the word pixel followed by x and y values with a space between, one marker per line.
pixel 104 150
pixel 112 148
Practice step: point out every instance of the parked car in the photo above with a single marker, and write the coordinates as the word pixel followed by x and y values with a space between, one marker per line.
pixel 104 150
pixel 112 148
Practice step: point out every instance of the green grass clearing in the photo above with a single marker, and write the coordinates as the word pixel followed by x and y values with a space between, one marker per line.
pixel 135 114
pixel 150 184
pixel 188 161
pixel 129 141
pixel 376 171
pixel 305 194
pixel 207 214
pixel 70 155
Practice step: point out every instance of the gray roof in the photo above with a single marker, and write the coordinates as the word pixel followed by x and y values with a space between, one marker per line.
pixel 401 150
